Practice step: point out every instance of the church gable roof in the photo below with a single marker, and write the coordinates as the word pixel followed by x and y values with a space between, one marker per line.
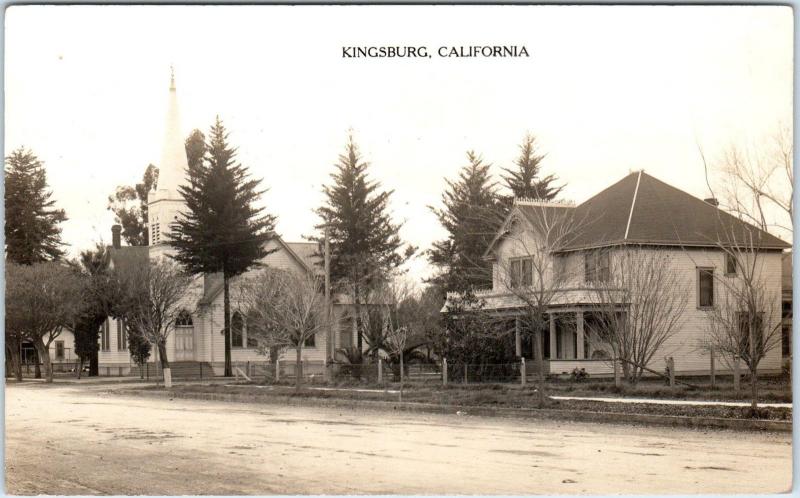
pixel 128 255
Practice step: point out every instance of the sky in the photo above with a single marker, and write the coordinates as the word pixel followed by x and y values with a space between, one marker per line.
pixel 606 90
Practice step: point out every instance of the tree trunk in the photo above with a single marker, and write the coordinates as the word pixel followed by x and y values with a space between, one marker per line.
pixel 754 388
pixel 141 370
pixel 80 368
pixel 227 310
pixel 94 364
pixel 539 357
pixel 359 323
pixel 298 368
pixel 14 344
pixel 753 363
pixel 44 357
pixel 162 353
pixel 401 376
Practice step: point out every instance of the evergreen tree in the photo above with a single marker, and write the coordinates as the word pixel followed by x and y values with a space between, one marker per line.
pixel 32 222
pixel 95 266
pixel 471 215
pixel 195 147
pixel 139 348
pixel 221 230
pixel 364 243
pixel 525 179
pixel 129 205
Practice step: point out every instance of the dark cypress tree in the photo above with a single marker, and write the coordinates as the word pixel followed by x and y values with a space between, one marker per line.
pixel 525 179
pixel 364 243
pixel 221 230
pixel 32 222
pixel 471 215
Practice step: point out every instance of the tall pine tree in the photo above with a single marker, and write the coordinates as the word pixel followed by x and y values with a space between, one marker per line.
pixel 221 229
pixel 32 227
pixel 364 242
pixel 525 180
pixel 471 215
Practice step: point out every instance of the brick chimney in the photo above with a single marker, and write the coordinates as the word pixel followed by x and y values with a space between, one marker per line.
pixel 116 230
pixel 713 201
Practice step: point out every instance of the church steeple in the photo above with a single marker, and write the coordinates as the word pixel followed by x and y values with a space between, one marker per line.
pixel 165 203
pixel 172 168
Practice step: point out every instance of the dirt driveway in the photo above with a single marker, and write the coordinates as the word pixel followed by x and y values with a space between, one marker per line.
pixel 75 439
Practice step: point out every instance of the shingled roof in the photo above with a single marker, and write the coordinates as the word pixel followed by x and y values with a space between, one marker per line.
pixel 128 255
pixel 640 209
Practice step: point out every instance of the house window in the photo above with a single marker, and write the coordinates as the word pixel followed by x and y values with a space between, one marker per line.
pixel 521 272
pixel 596 266
pixel 346 333
pixel 184 319
pixel 730 264
pixel 122 336
pixel 705 287
pixel 59 350
pixel 237 330
pixel 311 341
pixel 786 330
pixel 559 267
pixel 105 344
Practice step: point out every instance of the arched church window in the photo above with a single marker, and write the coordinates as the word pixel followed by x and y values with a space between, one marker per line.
pixel 184 319
pixel 237 330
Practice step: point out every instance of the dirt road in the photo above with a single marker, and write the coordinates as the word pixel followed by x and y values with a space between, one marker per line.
pixel 72 439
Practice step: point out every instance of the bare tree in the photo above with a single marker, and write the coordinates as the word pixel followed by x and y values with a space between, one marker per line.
pixel 532 270
pixel 757 182
pixel 639 305
pixel 745 321
pixel 154 298
pixel 42 299
pixel 284 310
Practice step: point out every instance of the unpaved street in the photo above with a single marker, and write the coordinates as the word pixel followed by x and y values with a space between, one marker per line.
pixel 69 439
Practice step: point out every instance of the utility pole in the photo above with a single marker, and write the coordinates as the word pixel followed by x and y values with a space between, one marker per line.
pixel 328 295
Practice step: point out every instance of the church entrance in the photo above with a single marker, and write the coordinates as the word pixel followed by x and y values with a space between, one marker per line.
pixel 184 338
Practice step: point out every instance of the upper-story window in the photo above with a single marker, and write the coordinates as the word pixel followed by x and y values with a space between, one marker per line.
pixel 596 266
pixel 705 287
pixel 521 272
pixel 730 264
pixel 559 267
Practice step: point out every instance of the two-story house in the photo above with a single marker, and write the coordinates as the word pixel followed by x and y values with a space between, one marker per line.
pixel 582 241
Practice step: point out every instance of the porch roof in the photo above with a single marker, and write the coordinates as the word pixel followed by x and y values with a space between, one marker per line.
pixel 506 300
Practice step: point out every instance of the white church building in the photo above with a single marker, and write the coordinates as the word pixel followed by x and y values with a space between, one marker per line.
pixel 198 342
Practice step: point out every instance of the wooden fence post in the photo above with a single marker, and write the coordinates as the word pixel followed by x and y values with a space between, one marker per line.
pixel 713 371
pixel 523 373
pixel 671 366
pixel 380 371
pixel 278 369
pixel 444 371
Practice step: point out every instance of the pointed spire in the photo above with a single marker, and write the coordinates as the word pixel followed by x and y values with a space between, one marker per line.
pixel 173 165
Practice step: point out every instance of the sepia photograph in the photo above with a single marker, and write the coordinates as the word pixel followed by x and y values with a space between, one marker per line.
pixel 398 249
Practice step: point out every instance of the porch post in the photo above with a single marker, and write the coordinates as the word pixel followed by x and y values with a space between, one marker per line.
pixel 553 349
pixel 517 338
pixel 579 334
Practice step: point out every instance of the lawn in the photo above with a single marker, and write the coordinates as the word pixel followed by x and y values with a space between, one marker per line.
pixel 512 396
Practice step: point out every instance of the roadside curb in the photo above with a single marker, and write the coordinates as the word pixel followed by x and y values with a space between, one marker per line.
pixel 544 413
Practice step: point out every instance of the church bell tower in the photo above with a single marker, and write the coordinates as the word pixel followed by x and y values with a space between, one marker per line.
pixel 165 203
